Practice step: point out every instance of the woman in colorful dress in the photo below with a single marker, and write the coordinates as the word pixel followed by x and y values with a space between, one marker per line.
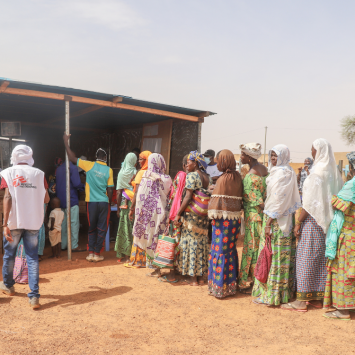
pixel 282 201
pixel 152 209
pixel 124 189
pixel 254 194
pixel 175 232
pixel 138 257
pixel 225 211
pixel 193 259
pixel 312 224
pixel 340 249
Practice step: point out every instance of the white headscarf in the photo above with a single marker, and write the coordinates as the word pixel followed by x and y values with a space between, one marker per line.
pixel 251 149
pixel 283 198
pixel 322 183
pixel 22 154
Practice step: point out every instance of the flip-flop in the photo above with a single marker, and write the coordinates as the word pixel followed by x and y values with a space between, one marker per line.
pixel 314 305
pixel 259 302
pixel 151 275
pixel 165 279
pixel 131 266
pixel 291 307
pixel 326 315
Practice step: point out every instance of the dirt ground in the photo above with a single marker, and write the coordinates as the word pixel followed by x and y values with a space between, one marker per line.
pixel 105 308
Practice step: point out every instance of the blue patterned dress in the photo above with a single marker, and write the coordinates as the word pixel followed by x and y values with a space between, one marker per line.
pixel 223 260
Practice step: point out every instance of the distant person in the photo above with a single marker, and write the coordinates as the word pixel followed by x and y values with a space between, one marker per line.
pixel 212 169
pixel 55 227
pixel 25 192
pixel 75 186
pixel 303 173
pixel 98 195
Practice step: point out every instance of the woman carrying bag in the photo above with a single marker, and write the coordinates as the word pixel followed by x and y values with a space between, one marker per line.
pixel 282 201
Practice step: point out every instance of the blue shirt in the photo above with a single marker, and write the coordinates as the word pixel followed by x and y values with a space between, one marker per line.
pixel 75 185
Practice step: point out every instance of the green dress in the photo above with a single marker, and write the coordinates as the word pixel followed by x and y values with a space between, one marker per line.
pixel 340 284
pixel 124 237
pixel 194 251
pixel 254 194
pixel 279 286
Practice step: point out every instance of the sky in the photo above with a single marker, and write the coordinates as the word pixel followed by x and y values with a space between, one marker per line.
pixel 288 65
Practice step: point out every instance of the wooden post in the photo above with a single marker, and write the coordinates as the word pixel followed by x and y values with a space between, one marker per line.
pixel 67 176
pixel 341 167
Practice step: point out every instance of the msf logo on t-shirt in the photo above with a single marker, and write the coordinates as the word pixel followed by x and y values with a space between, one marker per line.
pixel 18 181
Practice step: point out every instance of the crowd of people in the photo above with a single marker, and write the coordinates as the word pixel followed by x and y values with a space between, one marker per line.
pixel 299 239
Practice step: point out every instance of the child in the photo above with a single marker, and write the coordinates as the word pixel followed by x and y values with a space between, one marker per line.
pixel 55 227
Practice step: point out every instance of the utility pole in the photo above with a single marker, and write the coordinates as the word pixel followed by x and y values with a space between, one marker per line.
pixel 265 144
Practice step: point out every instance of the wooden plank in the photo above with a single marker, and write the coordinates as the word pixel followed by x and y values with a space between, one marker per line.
pixel 85 100
pixel 77 113
pixel 4 86
pixel 84 111
pixel 60 126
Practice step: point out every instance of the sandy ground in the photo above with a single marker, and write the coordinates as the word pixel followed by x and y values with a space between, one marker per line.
pixel 106 308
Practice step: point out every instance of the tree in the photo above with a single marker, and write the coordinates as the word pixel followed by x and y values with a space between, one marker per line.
pixel 348 129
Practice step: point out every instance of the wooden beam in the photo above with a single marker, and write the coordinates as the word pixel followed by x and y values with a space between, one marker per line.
pixel 84 111
pixel 76 114
pixel 60 126
pixel 85 100
pixel 4 86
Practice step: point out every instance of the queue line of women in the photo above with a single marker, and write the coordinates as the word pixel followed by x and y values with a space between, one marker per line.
pixel 320 268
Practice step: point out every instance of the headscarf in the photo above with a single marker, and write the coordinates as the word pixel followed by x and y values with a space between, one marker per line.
pixel 251 149
pixel 140 173
pixel 351 158
pixel 22 154
pixel 226 199
pixel 127 171
pixel 304 175
pixel 322 183
pixel 283 198
pixel 152 205
pixel 347 193
pixel 198 158
pixel 176 193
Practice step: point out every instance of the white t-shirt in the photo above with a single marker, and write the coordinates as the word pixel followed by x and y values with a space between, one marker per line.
pixel 58 216
pixel 26 188
pixel 212 170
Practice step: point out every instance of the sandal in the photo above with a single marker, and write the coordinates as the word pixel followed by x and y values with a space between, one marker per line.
pixel 165 279
pixel 131 266
pixel 260 302
pixel 333 315
pixel 291 307
pixel 153 275
pixel 313 305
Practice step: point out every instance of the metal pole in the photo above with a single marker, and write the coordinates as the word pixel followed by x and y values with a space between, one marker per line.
pixel 265 144
pixel 67 178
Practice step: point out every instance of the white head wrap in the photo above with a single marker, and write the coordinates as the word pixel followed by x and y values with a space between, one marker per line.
pixel 322 183
pixel 283 198
pixel 22 154
pixel 251 149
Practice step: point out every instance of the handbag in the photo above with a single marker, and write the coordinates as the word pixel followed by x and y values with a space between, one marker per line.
pixel 263 264
pixel 165 252
pixel 20 273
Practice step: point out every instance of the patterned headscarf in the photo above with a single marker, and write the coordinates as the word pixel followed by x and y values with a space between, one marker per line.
pixel 199 159
pixel 251 149
pixel 351 158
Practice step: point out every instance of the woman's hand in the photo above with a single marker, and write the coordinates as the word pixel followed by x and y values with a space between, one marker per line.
pixel 262 206
pixel 7 234
pixel 297 231
pixel 177 222
pixel 211 188
pixel 130 215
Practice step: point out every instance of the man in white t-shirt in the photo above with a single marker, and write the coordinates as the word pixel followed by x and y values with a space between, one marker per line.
pixel 25 192
pixel 212 170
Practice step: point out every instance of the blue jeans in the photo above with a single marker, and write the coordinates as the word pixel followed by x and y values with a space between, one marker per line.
pixel 30 242
pixel 98 216
pixel 75 225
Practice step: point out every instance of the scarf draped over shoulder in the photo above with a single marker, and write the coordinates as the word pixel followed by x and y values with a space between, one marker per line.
pixel 226 199
pixel 322 183
pixel 283 198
